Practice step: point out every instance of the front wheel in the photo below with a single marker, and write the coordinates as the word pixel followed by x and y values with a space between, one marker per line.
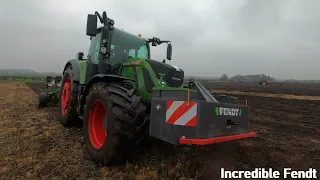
pixel 68 99
pixel 113 129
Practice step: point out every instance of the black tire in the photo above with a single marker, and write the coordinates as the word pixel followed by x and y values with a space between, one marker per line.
pixel 127 125
pixel 42 100
pixel 69 116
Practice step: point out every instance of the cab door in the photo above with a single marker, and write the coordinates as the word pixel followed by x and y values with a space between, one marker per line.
pixel 89 68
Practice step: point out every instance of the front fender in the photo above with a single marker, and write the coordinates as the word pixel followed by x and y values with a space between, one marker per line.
pixel 75 69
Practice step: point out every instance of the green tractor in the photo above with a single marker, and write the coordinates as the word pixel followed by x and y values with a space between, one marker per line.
pixel 123 97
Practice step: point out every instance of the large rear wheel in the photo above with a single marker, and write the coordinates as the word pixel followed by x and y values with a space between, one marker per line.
pixel 114 130
pixel 68 99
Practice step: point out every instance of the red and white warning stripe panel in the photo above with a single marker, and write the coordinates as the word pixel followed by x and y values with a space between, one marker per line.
pixel 178 113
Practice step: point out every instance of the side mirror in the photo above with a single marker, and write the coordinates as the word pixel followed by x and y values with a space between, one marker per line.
pixel 169 51
pixel 91 25
pixel 80 56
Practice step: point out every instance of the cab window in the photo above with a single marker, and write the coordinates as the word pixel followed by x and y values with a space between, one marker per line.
pixel 143 52
pixel 124 45
pixel 94 48
pixel 132 53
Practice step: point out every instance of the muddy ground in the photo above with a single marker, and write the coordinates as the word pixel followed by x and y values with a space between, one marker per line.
pixel 276 88
pixel 35 146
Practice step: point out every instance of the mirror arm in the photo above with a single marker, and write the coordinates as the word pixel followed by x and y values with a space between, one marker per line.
pixel 99 16
pixel 160 42
pixel 168 42
pixel 104 18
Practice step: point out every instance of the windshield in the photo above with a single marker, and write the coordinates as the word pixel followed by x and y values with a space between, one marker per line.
pixel 124 45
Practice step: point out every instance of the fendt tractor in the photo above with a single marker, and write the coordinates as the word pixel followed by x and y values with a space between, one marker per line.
pixel 123 97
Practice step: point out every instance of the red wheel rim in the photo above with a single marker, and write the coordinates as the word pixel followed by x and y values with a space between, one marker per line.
pixel 65 96
pixel 97 134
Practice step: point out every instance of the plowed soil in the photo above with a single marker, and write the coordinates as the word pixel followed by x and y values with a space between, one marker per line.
pixel 35 146
pixel 275 88
pixel 36 87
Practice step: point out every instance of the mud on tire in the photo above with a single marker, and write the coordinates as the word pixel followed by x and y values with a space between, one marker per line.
pixel 68 99
pixel 126 124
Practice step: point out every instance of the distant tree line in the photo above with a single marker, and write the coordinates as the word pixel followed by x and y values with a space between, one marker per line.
pixel 252 78
pixel 21 78
pixel 237 78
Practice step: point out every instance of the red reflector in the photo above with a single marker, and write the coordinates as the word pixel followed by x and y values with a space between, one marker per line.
pixel 136 63
pixel 216 140
pixel 133 63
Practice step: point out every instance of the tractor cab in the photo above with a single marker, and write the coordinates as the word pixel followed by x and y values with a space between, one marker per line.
pixel 124 46
pixel 111 48
pixel 121 46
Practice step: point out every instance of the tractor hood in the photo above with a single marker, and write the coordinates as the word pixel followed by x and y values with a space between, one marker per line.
pixel 173 75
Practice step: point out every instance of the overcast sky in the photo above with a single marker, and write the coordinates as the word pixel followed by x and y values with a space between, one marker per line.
pixel 209 37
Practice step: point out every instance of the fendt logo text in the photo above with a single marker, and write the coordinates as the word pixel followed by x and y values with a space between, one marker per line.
pixel 228 111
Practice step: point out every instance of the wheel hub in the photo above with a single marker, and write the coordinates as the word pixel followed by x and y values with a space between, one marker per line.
pixel 97 125
pixel 65 96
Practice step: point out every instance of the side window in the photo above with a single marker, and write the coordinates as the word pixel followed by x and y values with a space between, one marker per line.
pixel 143 52
pixel 132 53
pixel 94 48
